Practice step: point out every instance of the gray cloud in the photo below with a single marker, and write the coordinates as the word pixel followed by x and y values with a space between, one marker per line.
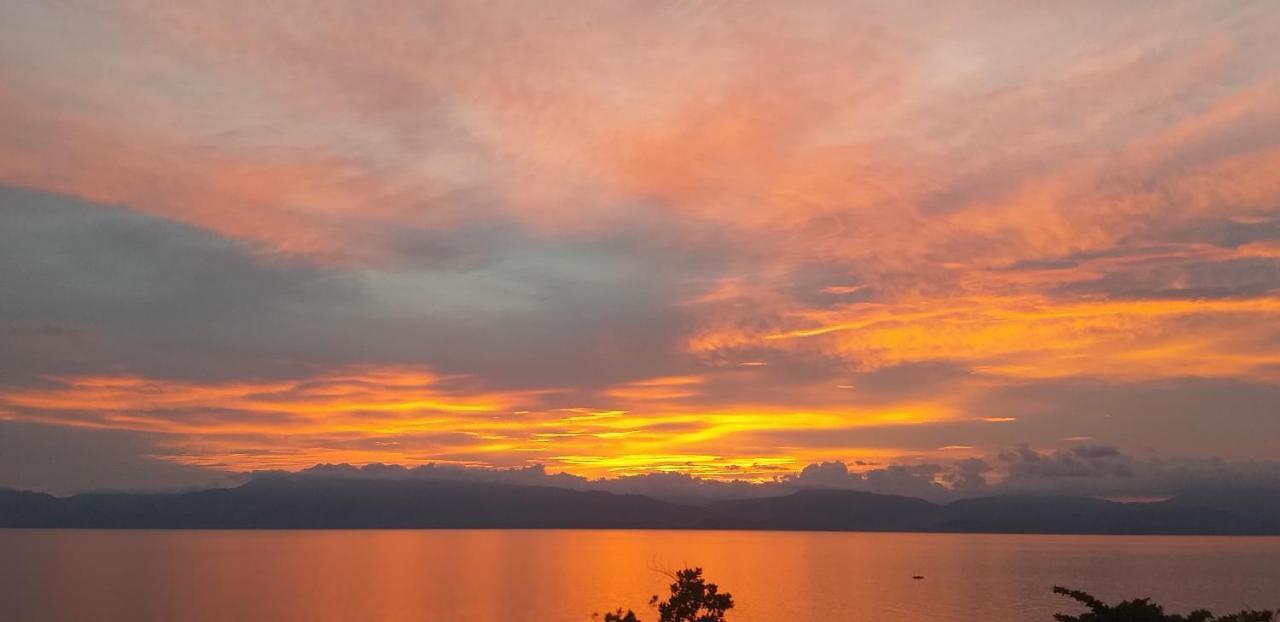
pixel 1081 470
pixel 1187 279
pixel 170 299
pixel 66 460
pixel 517 197
pixel 155 296
pixel 1180 416
pixel 1099 470
pixel 1079 461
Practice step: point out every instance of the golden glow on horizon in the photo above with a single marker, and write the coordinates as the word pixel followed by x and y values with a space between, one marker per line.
pixel 406 415
pixel 732 251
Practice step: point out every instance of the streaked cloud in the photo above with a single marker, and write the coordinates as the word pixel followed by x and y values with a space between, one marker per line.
pixel 727 240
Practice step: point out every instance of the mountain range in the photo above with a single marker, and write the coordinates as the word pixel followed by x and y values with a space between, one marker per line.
pixel 351 503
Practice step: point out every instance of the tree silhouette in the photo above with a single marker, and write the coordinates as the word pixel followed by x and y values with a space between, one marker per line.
pixel 1143 610
pixel 618 616
pixel 692 600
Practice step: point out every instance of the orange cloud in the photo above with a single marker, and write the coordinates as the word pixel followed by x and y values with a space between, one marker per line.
pixel 816 191
pixel 1038 337
pixel 410 415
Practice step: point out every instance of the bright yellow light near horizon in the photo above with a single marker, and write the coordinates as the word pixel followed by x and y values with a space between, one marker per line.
pixel 256 425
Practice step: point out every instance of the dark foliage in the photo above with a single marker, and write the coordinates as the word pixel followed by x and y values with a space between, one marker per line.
pixel 618 616
pixel 692 600
pixel 1143 610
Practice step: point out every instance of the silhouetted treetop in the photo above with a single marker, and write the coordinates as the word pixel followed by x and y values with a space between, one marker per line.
pixel 692 600
pixel 618 616
pixel 1143 610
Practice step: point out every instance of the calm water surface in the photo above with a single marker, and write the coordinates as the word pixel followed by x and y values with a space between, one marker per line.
pixel 321 576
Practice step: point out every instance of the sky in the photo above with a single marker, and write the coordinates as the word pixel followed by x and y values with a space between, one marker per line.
pixel 728 241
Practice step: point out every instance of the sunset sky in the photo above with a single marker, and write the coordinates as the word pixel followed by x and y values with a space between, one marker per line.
pixel 614 238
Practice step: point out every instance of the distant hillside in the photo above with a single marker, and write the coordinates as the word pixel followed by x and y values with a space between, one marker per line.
pixel 831 510
pixel 1041 514
pixel 353 503
pixel 314 503
pixel 1259 503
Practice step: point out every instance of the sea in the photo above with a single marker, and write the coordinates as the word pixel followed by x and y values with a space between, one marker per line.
pixel 567 575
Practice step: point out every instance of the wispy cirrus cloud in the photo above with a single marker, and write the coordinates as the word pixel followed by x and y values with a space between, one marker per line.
pixel 732 224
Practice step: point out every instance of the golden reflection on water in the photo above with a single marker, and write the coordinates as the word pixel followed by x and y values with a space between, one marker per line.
pixel 548 576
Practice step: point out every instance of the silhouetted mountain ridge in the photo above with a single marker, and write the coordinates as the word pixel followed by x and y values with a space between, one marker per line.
pixel 1059 514
pixel 318 503
pixel 353 503
pixel 822 509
